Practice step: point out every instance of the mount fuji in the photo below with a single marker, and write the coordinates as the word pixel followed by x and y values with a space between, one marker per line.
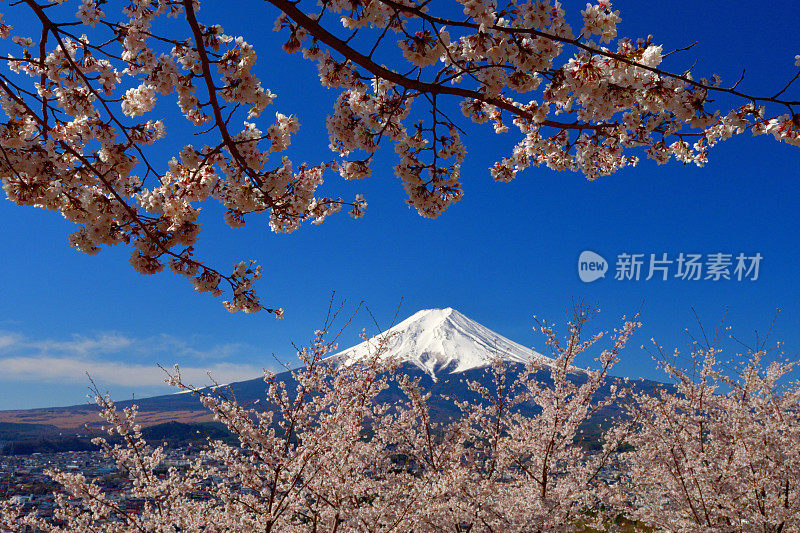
pixel 440 342
pixel 441 347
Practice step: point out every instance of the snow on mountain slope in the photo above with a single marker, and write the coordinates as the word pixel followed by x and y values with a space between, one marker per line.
pixel 443 341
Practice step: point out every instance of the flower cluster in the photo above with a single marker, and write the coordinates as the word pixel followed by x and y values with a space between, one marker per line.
pixel 79 111
pixel 76 142
pixel 718 449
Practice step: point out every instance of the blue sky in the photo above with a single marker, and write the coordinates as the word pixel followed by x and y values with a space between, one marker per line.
pixel 502 254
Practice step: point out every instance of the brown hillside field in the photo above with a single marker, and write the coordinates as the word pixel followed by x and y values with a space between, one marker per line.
pixel 78 417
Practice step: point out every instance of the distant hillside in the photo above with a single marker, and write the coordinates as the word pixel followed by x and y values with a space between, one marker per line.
pixel 18 431
pixel 171 434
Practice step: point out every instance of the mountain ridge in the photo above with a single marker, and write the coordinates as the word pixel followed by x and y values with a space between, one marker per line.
pixel 441 341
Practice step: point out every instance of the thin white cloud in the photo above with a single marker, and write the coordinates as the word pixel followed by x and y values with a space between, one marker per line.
pixel 111 343
pixel 80 345
pixel 9 340
pixel 112 358
pixel 168 344
pixel 62 370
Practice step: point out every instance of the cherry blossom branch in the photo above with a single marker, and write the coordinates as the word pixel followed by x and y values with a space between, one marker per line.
pixel 423 15
pixel 319 32
pixel 212 95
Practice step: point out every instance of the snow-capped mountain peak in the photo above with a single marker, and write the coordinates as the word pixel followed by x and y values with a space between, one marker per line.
pixel 442 341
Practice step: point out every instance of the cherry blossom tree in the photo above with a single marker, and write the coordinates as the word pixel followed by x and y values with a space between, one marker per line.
pixel 81 91
pixel 523 472
pixel 720 452
pixel 327 454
